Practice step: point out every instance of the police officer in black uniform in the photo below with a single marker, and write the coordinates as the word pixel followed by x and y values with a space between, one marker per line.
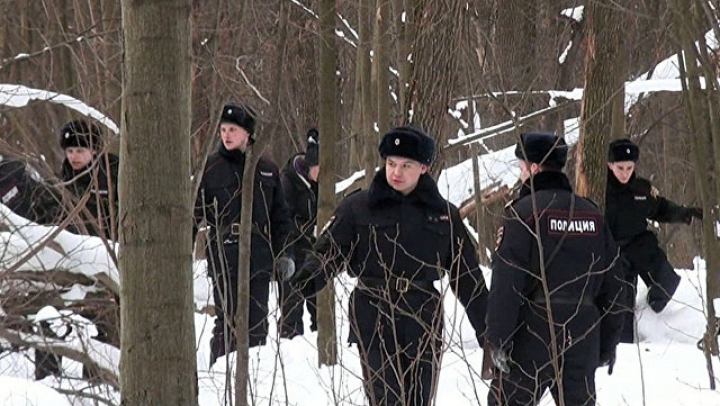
pixel 397 238
pixel 219 205
pixel 88 174
pixel 24 195
pixel 86 169
pixel 630 202
pixel 556 253
pixel 299 182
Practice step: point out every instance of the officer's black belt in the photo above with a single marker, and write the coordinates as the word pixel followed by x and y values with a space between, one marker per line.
pixel 398 284
pixel 538 297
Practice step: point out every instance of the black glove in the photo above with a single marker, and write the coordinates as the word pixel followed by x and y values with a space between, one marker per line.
pixel 691 212
pixel 285 268
pixel 500 359
pixel 607 358
pixel 304 281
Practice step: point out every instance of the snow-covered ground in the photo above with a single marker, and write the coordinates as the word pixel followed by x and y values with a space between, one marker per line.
pixel 664 368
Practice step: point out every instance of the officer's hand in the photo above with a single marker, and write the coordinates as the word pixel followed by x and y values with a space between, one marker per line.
pixel 285 268
pixel 500 359
pixel 691 212
pixel 607 358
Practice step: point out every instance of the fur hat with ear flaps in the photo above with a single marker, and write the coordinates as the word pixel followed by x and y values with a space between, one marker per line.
pixel 623 150
pixel 240 115
pixel 312 153
pixel 408 142
pixel 80 133
pixel 542 148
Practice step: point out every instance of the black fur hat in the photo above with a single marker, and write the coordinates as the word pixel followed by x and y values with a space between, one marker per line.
pixel 241 115
pixel 80 133
pixel 542 148
pixel 623 150
pixel 312 153
pixel 408 142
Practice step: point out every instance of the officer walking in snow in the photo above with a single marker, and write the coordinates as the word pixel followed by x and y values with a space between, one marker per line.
pixel 299 183
pixel 554 266
pixel 397 238
pixel 630 202
pixel 219 205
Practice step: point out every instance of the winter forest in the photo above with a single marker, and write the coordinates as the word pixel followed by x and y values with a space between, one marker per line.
pixel 119 310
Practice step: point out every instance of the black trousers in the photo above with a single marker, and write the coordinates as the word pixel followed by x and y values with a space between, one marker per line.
pixel 225 294
pixel 519 388
pixel 400 345
pixel 532 370
pixel 644 258
pixel 291 303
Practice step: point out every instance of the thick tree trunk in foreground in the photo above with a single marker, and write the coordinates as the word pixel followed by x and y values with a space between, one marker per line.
pixel 158 341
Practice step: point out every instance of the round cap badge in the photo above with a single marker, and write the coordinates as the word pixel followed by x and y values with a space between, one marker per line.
pixel 397 141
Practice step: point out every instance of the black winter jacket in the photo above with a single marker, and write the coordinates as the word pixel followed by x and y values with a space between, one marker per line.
pixel 15 191
pixel 629 206
pixel 381 233
pixel 219 204
pixel 301 195
pixel 100 179
pixel 579 258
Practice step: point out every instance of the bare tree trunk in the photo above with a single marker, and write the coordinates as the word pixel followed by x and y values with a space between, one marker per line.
pixel 67 71
pixel 330 128
pixel 242 317
pixel 402 24
pixel 275 127
pixel 155 207
pixel 701 105
pixel 439 28
pixel 111 53
pixel 368 132
pixel 601 119
pixel 381 61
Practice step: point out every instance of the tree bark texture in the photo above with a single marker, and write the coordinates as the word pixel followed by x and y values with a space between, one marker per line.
pixel 438 27
pixel 158 336
pixel 600 119
pixel 330 128
pixel 701 104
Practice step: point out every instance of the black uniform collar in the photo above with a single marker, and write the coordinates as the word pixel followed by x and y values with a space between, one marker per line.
pixel 544 181
pixel 426 192
pixel 614 183
pixel 68 172
pixel 234 156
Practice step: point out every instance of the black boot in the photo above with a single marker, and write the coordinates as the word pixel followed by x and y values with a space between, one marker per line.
pixel 220 346
pixel 659 296
pixel 291 331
